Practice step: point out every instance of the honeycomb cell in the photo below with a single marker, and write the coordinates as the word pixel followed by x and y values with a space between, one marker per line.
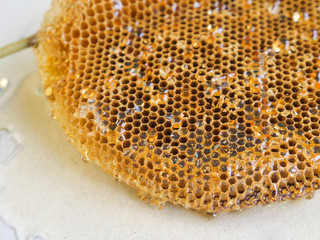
pixel 213 105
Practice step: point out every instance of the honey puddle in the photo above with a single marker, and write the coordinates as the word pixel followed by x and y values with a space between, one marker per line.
pixel 48 192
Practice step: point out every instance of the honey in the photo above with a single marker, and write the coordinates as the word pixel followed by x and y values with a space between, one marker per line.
pixel 207 104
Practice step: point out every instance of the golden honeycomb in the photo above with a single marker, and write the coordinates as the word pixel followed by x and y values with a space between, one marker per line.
pixel 213 105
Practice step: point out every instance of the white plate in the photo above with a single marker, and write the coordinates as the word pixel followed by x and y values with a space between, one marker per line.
pixel 47 192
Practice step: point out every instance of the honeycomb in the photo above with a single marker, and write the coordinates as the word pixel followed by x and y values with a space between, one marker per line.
pixel 213 105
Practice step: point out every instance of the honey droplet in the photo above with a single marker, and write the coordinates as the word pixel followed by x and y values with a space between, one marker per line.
pixel 196 45
pixel 49 93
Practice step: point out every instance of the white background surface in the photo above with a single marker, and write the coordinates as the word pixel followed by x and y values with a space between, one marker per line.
pixel 18 19
pixel 47 192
